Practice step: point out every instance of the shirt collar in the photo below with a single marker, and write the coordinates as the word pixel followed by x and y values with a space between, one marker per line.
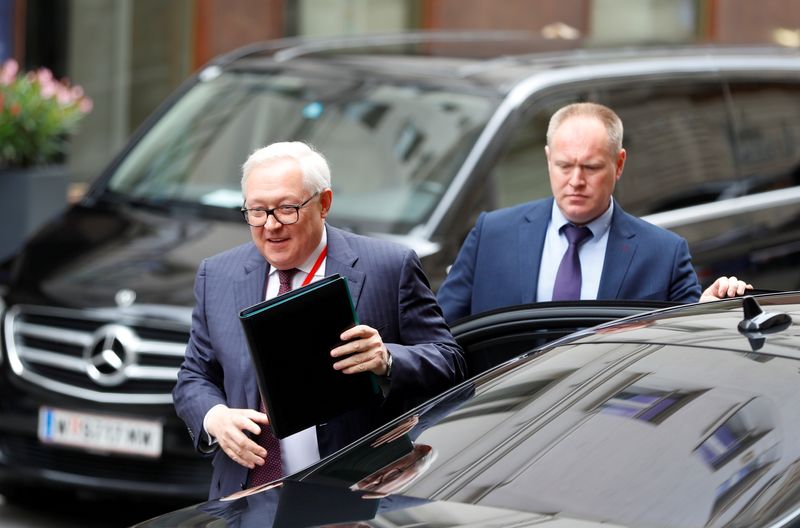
pixel 598 226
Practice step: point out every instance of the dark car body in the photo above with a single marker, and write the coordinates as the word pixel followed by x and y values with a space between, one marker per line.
pixel 673 418
pixel 422 133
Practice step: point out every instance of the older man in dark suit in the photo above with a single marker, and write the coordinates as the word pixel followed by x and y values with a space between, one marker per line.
pixel 579 244
pixel 403 338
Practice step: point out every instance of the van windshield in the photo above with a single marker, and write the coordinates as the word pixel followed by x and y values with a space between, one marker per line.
pixel 393 147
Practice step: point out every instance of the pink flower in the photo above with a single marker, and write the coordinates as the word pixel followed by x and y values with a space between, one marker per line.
pixel 9 71
pixel 50 107
pixel 47 89
pixel 43 75
pixel 85 105
pixel 64 95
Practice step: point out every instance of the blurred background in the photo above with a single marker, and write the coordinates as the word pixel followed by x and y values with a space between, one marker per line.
pixel 129 55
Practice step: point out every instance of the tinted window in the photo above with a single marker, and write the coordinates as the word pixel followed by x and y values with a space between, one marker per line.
pixel 393 148
pixel 676 134
pixel 767 131
pixel 520 174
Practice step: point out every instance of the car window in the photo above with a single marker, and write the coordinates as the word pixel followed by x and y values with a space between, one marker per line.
pixel 676 134
pixel 767 130
pixel 393 148
pixel 520 174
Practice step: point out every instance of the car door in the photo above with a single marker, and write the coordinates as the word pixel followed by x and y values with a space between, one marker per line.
pixel 491 338
pixel 753 231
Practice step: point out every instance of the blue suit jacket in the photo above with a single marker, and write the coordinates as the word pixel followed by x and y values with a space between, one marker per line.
pixel 390 293
pixel 498 264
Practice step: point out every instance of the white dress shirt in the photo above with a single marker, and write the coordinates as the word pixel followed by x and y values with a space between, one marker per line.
pixel 592 254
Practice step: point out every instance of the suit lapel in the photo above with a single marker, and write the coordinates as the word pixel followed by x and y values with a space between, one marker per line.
pixel 621 247
pixel 342 260
pixel 249 289
pixel 531 243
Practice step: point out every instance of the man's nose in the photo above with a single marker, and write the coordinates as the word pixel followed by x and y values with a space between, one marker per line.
pixel 272 222
pixel 576 177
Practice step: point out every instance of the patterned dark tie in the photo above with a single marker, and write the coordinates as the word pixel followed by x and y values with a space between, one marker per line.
pixel 568 278
pixel 272 468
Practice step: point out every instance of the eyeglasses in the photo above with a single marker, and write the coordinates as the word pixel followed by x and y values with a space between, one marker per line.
pixel 284 214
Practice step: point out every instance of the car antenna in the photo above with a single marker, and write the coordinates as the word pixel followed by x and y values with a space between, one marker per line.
pixel 757 321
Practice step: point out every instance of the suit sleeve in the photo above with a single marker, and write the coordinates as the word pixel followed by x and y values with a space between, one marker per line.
pixel 455 293
pixel 200 382
pixel 684 286
pixel 427 360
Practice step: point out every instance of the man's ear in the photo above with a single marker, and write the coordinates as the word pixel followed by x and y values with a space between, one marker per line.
pixel 621 156
pixel 325 201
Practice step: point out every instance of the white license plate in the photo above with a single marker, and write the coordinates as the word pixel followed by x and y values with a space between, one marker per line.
pixel 96 432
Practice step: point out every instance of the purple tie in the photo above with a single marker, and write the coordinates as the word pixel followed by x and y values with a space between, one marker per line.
pixel 568 279
pixel 272 468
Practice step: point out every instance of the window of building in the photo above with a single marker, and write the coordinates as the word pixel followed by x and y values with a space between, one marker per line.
pixel 646 404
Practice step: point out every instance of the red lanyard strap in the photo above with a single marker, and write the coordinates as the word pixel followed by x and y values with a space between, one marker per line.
pixel 316 266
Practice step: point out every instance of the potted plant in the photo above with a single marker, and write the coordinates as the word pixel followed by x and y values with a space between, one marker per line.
pixel 38 113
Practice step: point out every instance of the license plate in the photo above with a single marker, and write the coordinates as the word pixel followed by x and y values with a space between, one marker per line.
pixel 95 432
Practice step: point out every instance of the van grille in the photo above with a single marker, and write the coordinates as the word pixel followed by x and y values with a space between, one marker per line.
pixel 104 356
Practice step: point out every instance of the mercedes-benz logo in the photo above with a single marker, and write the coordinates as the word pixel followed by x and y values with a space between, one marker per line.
pixel 110 351
pixel 125 298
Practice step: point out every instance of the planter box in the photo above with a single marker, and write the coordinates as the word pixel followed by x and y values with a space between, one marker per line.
pixel 28 198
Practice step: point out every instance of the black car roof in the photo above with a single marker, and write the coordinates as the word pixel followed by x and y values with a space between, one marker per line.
pixel 499 59
pixel 707 326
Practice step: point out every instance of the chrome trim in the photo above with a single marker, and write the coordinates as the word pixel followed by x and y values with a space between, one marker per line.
pixel 3 291
pixel 11 350
pixel 161 348
pixel 50 359
pixel 71 337
pixel 705 63
pixel 152 373
pixel 101 397
pixel 209 73
pixel 113 334
pixel 786 519
pixel 731 206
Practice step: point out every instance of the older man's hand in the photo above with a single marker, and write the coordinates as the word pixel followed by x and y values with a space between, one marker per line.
pixel 362 351
pixel 725 287
pixel 230 428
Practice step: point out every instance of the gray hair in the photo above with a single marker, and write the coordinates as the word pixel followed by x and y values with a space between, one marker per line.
pixel 604 114
pixel 313 166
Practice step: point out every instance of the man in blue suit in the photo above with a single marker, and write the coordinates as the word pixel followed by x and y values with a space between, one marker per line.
pixel 403 338
pixel 515 255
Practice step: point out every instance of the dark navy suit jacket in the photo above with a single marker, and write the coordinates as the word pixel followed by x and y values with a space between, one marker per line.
pixel 390 293
pixel 498 264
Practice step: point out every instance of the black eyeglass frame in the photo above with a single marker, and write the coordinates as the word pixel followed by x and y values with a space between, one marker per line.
pixel 284 208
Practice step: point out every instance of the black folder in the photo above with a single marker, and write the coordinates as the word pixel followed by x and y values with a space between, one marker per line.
pixel 290 338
